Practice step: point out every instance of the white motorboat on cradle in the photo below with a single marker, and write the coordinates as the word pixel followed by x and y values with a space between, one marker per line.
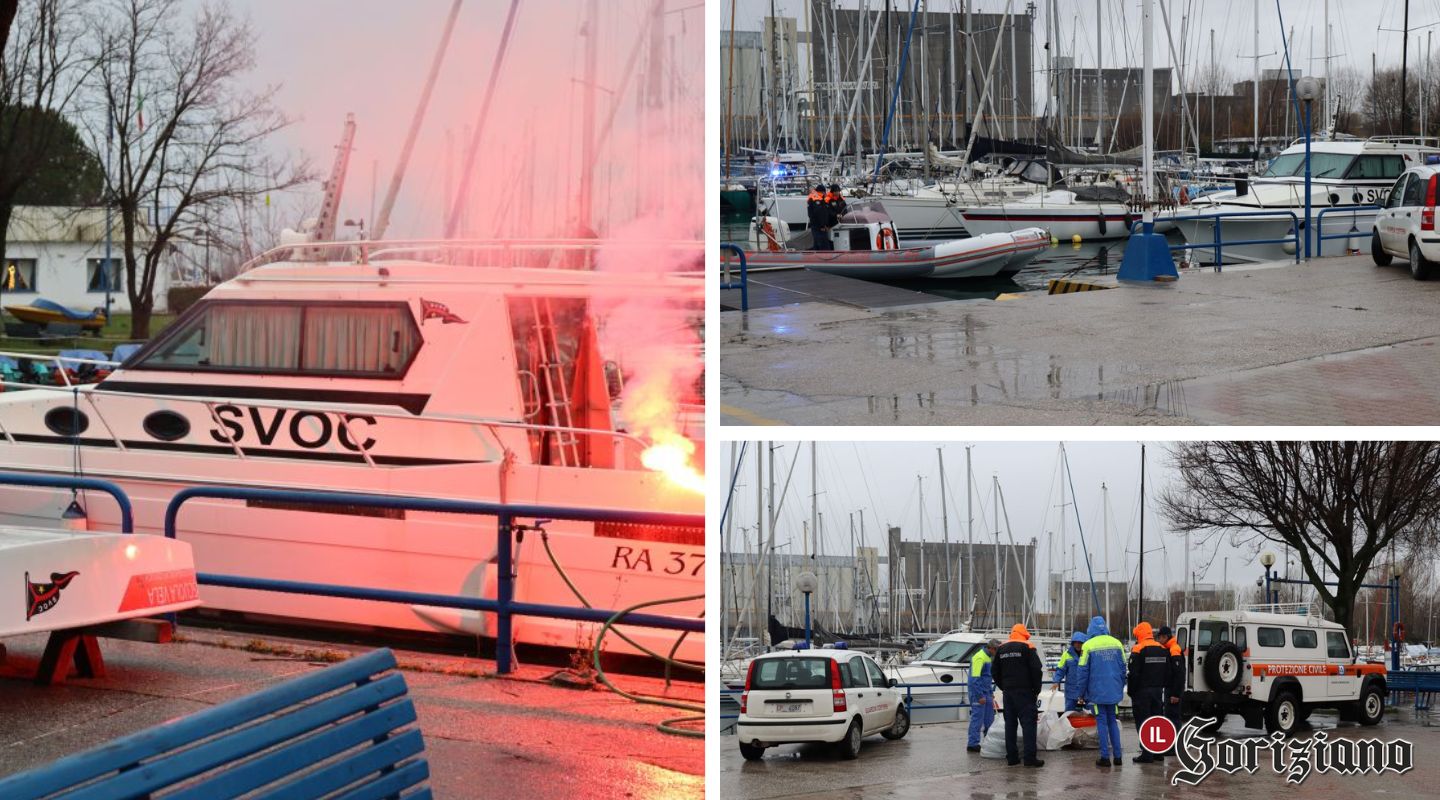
pixel 1090 212
pixel 1342 173
pixel 469 370
pixel 75 579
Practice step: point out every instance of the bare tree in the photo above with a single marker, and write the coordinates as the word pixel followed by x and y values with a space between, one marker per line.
pixel 1339 505
pixel 187 138
pixel 1347 89
pixel 40 73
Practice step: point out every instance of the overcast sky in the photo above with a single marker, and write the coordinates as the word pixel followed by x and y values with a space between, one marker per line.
pixel 1357 29
pixel 878 481
pixel 370 57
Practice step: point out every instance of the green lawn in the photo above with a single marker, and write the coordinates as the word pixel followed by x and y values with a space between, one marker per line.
pixel 116 331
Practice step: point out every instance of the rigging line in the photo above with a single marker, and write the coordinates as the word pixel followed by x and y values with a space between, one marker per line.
pixel 730 496
pixel 1094 596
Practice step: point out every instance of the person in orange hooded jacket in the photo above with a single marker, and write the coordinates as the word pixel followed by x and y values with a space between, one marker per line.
pixel 1017 673
pixel 1149 676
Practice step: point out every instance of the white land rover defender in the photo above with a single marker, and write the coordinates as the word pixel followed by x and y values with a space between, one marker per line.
pixel 1273 664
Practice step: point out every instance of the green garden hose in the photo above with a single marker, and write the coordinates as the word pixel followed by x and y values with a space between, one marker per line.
pixel 666 726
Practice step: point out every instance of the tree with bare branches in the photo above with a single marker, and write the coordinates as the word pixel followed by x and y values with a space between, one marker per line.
pixel 1339 505
pixel 42 160
pixel 187 138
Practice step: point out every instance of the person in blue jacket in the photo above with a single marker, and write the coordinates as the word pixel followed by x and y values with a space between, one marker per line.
pixel 1066 666
pixel 982 694
pixel 1100 679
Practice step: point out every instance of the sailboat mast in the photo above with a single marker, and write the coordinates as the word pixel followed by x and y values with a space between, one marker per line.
pixel 945 528
pixel 1105 532
pixel 1140 594
pixel 1147 33
pixel 969 530
pixel 1099 72
pixel 925 604
pixel 1255 124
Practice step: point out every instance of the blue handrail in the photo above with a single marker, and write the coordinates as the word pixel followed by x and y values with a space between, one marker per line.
pixel 503 606
pixel 1217 245
pixel 744 284
pixel 127 517
pixel 1352 210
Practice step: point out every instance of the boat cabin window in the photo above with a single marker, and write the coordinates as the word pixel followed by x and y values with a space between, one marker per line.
pixel 370 340
pixel 953 652
pixel 1322 165
pixel 1375 168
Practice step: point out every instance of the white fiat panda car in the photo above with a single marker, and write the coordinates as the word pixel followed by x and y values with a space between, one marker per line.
pixel 834 696
pixel 1405 224
pixel 1274 668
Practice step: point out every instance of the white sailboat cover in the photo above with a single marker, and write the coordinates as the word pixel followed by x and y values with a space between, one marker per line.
pixel 76 579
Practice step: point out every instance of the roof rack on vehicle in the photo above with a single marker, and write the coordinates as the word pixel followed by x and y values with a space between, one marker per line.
pixel 1299 609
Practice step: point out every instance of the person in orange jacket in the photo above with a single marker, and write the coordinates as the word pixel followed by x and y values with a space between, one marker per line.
pixel 1017 673
pixel 1175 684
pixel 1148 679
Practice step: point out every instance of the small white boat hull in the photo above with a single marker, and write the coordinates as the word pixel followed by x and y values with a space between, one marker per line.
pixel 978 257
pixel 1065 222
pixel 1235 229
pixel 78 579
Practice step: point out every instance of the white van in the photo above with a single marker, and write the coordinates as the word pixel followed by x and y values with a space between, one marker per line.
pixel 1273 665
pixel 834 696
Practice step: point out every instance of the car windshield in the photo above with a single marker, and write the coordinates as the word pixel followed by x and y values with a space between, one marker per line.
pixel 953 652
pixel 1322 165
pixel 791 673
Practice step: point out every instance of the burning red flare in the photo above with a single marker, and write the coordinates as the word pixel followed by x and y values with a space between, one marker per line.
pixel 670 456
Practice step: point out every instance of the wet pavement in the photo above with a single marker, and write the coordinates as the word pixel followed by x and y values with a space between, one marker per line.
pixel 1336 341
pixel 484 736
pixel 931 762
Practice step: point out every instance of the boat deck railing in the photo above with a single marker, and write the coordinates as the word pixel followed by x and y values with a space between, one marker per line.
pixel 460 252
pixel 93 393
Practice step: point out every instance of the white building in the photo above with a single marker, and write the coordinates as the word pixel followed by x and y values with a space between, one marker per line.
pixel 56 252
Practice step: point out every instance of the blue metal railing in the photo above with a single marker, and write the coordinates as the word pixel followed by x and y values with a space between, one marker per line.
pixel 503 606
pixel 1217 245
pixel 744 284
pixel 1352 210
pixel 127 516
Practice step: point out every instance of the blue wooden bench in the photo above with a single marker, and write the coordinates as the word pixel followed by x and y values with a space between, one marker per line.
pixel 332 732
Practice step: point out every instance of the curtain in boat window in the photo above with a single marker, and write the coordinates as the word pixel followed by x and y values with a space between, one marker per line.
pixel 253 337
pixel 357 339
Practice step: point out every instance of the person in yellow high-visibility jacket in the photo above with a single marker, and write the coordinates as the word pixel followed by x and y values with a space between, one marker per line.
pixel 982 694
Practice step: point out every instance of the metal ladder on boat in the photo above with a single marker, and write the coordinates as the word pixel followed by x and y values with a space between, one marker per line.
pixel 563 443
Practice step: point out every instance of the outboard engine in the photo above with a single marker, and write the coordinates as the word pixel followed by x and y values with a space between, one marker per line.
pixel 768 233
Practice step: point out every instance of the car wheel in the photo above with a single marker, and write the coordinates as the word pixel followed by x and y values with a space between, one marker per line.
pixel 1283 714
pixel 849 747
pixel 1372 705
pixel 752 752
pixel 900 727
pixel 1382 258
pixel 1420 268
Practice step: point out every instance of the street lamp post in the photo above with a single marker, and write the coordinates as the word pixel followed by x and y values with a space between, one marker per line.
pixel 1267 560
pixel 806 583
pixel 1395 643
pixel 1307 89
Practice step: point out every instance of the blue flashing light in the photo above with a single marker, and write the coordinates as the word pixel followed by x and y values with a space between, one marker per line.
pixel 1432 158
pixel 840 646
pixel 801 646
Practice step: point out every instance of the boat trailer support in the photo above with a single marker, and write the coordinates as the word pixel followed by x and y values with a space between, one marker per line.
pixel 503 606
